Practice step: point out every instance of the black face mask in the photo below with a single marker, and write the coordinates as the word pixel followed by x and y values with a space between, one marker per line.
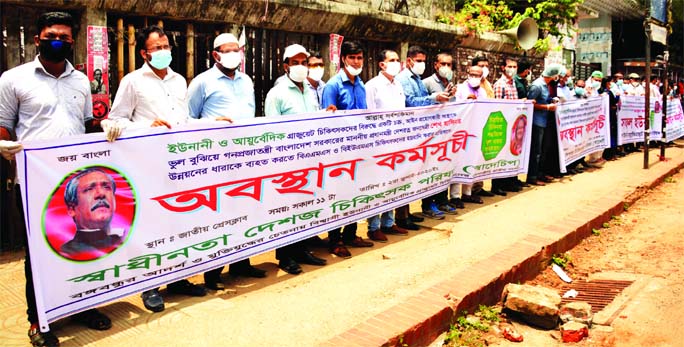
pixel 54 50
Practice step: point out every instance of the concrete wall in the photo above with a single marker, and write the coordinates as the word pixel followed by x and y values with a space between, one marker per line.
pixel 594 42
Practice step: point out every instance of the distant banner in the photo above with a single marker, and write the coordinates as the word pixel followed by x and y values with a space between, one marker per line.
pixel 97 70
pixel 674 120
pixel 583 128
pixel 631 121
pixel 107 220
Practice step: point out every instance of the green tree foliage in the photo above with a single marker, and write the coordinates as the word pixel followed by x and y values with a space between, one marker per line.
pixel 477 16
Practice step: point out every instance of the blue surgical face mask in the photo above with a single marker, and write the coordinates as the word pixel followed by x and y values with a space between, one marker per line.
pixel 579 91
pixel 160 59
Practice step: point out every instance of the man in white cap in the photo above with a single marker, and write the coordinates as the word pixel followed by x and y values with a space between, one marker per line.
pixel 222 91
pixel 219 93
pixel 292 95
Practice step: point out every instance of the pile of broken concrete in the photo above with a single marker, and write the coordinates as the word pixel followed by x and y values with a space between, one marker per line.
pixel 541 307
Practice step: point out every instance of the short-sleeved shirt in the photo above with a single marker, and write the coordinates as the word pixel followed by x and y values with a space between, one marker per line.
pixel 285 98
pixel 213 94
pixel 339 91
pixel 143 97
pixel 539 91
pixel 38 105
pixel 414 89
pixel 505 88
pixel 381 93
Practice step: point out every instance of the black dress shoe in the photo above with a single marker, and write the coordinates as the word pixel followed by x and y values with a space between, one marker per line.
pixel 485 193
pixel 456 203
pixel 247 271
pixel 511 188
pixel 498 191
pixel 213 282
pixel 415 219
pixel 290 266
pixel 308 258
pixel 407 224
pixel 152 300
pixel 184 287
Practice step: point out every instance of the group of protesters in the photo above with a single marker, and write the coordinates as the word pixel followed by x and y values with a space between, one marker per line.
pixel 48 99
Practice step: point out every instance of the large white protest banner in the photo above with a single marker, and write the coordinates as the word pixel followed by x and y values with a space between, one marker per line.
pixel 631 120
pixel 583 128
pixel 674 120
pixel 107 220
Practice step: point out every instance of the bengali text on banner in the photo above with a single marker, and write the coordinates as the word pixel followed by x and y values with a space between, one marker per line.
pixel 583 128
pixel 173 203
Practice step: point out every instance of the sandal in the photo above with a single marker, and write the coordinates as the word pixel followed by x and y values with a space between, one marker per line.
pixel 40 339
pixel 93 319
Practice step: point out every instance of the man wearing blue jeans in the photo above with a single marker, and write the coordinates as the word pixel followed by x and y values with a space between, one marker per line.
pixel 434 206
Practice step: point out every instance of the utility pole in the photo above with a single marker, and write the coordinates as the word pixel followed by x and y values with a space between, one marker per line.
pixel 647 87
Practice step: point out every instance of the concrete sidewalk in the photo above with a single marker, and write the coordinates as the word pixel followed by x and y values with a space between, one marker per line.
pixel 405 291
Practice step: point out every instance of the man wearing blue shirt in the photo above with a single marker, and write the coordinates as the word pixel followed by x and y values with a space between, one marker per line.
pixel 417 95
pixel 539 92
pixel 224 92
pixel 345 91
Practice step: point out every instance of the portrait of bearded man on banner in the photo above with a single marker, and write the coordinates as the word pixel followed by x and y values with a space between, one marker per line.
pixel 90 203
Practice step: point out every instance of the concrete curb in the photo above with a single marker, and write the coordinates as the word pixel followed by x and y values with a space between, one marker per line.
pixel 422 318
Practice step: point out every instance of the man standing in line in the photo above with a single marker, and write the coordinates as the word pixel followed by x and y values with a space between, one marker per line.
pixel 163 104
pixel 437 205
pixel 315 76
pixel 46 99
pixel 224 93
pixel 293 96
pixel 539 92
pixel 505 88
pixel 438 82
pixel 384 92
pixel 520 79
pixel 346 91
pixel 470 89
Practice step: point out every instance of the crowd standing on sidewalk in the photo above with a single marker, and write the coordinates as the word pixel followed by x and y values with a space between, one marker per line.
pixel 154 95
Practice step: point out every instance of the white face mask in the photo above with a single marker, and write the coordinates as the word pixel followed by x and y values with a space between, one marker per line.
pixel 418 68
pixel 354 71
pixel 298 73
pixel 446 72
pixel 474 82
pixel 316 73
pixel 230 60
pixel 511 71
pixel 392 68
pixel 485 72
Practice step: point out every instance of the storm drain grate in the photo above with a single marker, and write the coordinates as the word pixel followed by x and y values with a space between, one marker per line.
pixel 598 293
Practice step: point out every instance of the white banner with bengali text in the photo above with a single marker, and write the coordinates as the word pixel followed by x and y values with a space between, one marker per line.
pixel 674 120
pixel 631 121
pixel 107 220
pixel 583 128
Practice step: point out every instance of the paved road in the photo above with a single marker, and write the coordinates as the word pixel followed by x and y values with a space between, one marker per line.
pixel 646 245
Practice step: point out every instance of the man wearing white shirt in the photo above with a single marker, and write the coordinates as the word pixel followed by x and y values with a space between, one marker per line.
pixel 384 92
pixel 46 99
pixel 153 95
